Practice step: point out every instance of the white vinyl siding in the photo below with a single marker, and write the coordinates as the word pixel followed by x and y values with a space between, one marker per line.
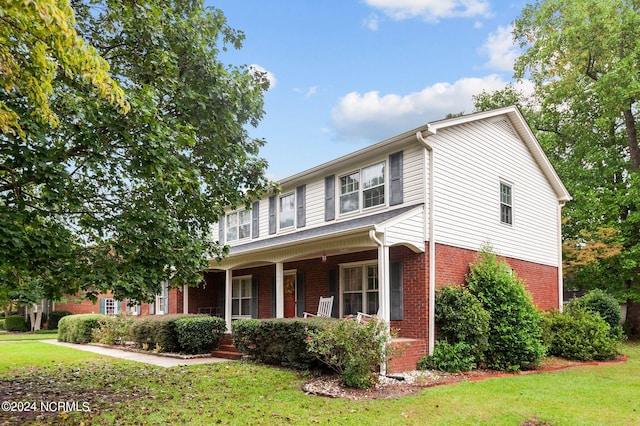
pixel 413 192
pixel 470 162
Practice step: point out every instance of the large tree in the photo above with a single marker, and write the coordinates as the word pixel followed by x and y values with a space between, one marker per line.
pixel 584 60
pixel 124 202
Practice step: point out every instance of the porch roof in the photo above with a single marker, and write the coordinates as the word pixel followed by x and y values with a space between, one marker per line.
pixel 322 231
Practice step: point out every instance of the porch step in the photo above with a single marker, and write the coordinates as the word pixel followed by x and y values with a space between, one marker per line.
pixel 226 349
pixel 235 355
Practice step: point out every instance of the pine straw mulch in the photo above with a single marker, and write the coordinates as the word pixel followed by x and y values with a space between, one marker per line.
pixel 411 382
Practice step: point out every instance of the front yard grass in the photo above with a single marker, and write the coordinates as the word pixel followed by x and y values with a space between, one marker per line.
pixel 125 392
pixel 41 335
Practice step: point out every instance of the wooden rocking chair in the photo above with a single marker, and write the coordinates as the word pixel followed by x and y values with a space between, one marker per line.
pixel 325 306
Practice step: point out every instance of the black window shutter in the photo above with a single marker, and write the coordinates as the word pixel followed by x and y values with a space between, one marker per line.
pixel 301 201
pixel 221 229
pixel 330 197
pixel 255 219
pixel 300 294
pixel 395 175
pixel 254 297
pixel 272 214
pixel 333 290
pixel 395 276
pixel 273 296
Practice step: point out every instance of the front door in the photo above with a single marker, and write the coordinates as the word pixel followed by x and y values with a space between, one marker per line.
pixel 290 295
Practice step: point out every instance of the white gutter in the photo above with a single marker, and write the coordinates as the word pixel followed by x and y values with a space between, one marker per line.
pixel 385 303
pixel 432 246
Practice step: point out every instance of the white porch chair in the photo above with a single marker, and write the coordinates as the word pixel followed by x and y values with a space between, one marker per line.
pixel 325 306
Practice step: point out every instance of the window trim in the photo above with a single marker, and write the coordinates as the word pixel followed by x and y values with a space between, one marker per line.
pixel 114 302
pixel 364 289
pixel 292 212
pixel 239 280
pixel 510 205
pixel 228 227
pixel 361 189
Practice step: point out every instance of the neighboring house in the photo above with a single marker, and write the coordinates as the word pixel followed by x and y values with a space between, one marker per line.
pixel 380 229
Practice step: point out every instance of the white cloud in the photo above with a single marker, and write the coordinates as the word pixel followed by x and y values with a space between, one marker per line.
pixel 374 117
pixel 267 74
pixel 371 22
pixel 431 10
pixel 500 49
pixel 309 92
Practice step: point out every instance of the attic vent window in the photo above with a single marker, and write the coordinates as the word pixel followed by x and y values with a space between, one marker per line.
pixel 504 126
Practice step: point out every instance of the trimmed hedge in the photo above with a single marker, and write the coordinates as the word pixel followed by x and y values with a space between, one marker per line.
pixel 78 328
pixel 157 332
pixel 452 358
pixel 605 305
pixel 54 318
pixel 199 334
pixel 15 323
pixel 278 341
pixel 579 334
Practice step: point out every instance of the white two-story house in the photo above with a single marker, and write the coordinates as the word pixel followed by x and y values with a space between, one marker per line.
pixel 382 228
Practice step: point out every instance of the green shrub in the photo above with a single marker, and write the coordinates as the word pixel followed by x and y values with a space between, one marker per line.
pixel 2 324
pixel 113 330
pixel 461 318
pixel 199 334
pixel 78 328
pixel 353 350
pixel 515 333
pixel 604 304
pixel 54 318
pixel 157 332
pixel 277 341
pixel 15 323
pixel 450 358
pixel 578 334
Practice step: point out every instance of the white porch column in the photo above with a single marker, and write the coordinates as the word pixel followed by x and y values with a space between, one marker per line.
pixel 227 299
pixel 185 299
pixel 279 290
pixel 384 283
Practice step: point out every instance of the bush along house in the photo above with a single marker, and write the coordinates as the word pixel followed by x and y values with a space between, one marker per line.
pixel 382 228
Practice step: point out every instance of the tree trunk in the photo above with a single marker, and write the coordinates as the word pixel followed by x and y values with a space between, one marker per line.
pixel 633 318
pixel 632 139
pixel 35 315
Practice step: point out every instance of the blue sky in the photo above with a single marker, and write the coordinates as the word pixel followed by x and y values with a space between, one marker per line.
pixel 349 73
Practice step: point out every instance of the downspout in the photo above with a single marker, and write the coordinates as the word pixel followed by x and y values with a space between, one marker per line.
pixel 385 314
pixel 432 245
pixel 560 271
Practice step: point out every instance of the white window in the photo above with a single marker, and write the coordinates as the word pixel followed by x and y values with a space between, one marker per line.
pixel 287 211
pixel 371 191
pixel 360 289
pixel 350 192
pixel 241 297
pixel 162 300
pixel 108 306
pixel 133 308
pixel 238 225
pixel 506 204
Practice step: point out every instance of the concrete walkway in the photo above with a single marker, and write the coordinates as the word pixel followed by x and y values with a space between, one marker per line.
pixel 159 360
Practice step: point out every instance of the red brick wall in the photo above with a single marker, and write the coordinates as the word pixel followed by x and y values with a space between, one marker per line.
pixel 415 290
pixel 452 265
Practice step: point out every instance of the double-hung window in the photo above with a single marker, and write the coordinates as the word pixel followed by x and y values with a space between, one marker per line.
pixel 162 300
pixel 362 189
pixel 238 225
pixel 241 297
pixel 360 289
pixel 506 204
pixel 287 210
pixel 108 306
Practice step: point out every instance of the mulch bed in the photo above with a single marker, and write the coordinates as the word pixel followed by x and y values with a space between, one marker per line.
pixel 414 381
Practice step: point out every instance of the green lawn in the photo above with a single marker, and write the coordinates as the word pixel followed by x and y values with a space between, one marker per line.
pixel 45 334
pixel 124 392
